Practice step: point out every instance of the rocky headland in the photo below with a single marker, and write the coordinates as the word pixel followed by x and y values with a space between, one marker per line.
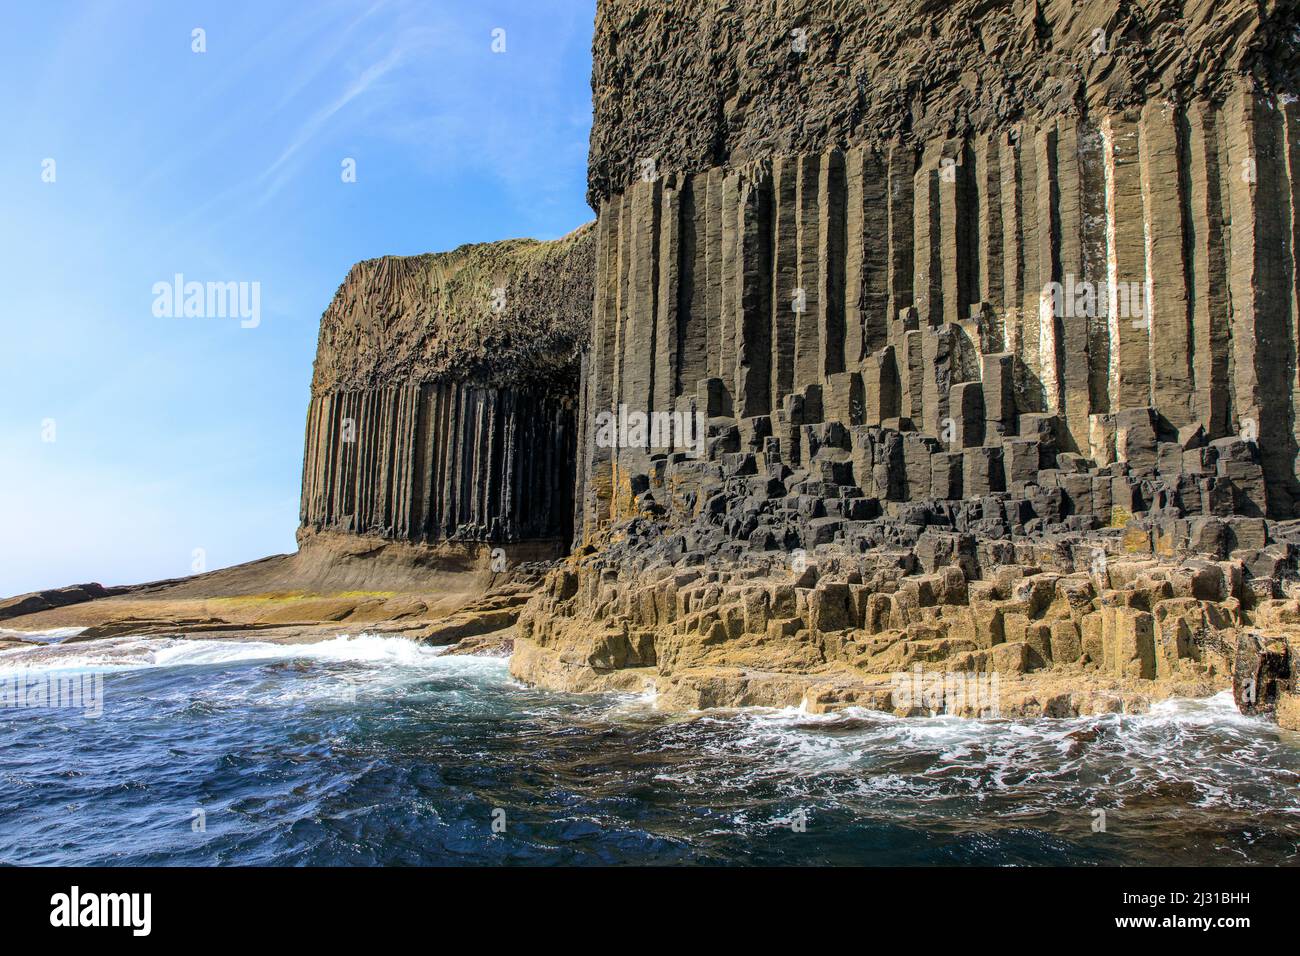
pixel 441 427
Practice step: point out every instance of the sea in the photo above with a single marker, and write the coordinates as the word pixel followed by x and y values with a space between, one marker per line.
pixel 369 750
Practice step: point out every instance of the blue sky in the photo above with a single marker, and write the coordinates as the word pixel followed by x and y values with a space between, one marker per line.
pixel 175 434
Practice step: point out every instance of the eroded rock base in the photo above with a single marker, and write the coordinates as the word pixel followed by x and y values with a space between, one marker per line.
pixel 1061 625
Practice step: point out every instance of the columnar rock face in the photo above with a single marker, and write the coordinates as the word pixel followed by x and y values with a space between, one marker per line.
pixel 949 339
pixel 1051 252
pixel 438 460
pixel 443 398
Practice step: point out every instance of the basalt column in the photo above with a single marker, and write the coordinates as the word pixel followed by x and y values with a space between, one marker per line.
pixel 440 460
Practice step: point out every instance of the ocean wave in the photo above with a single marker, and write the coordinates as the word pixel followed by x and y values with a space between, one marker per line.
pixel 118 653
pixel 1204 751
pixel 359 741
pixel 51 635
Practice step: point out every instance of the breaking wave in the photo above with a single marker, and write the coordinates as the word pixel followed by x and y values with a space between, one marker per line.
pixel 122 652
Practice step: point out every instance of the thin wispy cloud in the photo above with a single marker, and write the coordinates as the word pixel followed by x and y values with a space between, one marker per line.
pixel 273 178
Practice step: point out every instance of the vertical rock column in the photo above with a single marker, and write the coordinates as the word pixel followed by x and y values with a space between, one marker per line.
pixel 1051 354
pixel 1262 284
pixel 867 290
pixel 927 283
pixel 1129 360
pixel 785 275
pixel 1013 249
pixel 899 265
pixel 1211 340
pixel 667 344
pixel 1290 118
pixel 693 287
pixel 989 281
pixel 594 469
pixel 1166 291
pixel 958 244
pixel 753 318
pixel 713 280
pixel 1073 326
pixel 1092 251
pixel 831 249
pixel 807 346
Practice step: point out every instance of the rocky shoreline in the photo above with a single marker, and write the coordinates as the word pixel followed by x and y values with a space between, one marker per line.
pixel 915 631
pixel 876 631
pixel 982 324
pixel 335 584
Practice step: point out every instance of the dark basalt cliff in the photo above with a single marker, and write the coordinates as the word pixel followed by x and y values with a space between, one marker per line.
pixel 989 315
pixel 694 84
pixel 950 217
pixel 989 311
pixel 443 399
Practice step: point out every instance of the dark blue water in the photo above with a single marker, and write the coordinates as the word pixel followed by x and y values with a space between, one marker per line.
pixel 376 751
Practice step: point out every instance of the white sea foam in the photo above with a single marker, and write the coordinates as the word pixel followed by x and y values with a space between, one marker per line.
pixel 112 654
pixel 635 703
pixel 49 636
pixel 1227 760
